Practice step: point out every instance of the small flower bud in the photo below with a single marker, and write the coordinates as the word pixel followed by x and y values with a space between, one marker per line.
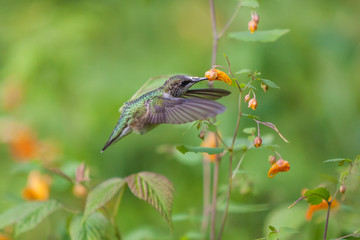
pixel 264 86
pixel 252 103
pixel 272 159
pixel 247 97
pixel 252 26
pixel 255 17
pixel 342 189
pixel 257 142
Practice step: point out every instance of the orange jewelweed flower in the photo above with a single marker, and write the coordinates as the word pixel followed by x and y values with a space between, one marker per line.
pixel 210 141
pixel 215 74
pixel 37 188
pixel 252 104
pixel 280 166
pixel 321 206
pixel 252 25
pixel 24 146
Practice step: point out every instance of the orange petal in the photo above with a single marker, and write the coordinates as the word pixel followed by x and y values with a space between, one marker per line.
pixel 279 166
pixel 321 206
pixel 38 187
pixel 210 141
pixel 215 74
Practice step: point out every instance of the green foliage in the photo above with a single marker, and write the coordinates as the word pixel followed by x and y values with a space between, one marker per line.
pixel 102 194
pixel 340 161
pixel 269 83
pixel 315 196
pixel 184 149
pixel 251 130
pixel 259 36
pixel 92 228
pixel 155 189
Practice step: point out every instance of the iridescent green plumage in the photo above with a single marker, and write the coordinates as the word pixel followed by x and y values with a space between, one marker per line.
pixel 172 103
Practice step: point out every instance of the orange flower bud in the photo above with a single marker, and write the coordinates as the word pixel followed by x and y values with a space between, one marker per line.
pixel 321 206
pixel 252 103
pixel 280 166
pixel 247 97
pixel 37 188
pixel 264 86
pixel 257 142
pixel 210 141
pixel 272 159
pixel 252 26
pixel 342 189
pixel 255 17
pixel 79 190
pixel 215 74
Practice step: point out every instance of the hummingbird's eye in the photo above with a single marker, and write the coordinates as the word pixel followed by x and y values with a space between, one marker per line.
pixel 184 83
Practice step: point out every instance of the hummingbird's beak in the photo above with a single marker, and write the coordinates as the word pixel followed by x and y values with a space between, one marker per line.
pixel 197 79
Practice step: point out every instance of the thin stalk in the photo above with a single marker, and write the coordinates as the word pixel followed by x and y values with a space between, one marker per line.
pixel 214 199
pixel 214 31
pixel 230 20
pixel 206 199
pixel 327 220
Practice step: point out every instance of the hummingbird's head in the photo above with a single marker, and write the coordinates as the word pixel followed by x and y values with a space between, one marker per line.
pixel 177 85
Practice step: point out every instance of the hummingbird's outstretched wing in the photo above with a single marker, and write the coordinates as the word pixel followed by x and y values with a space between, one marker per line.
pixel 181 110
pixel 206 93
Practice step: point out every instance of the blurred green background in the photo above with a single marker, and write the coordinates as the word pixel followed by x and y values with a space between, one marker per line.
pixel 77 62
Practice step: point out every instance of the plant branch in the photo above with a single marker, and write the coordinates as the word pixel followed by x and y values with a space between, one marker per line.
pixel 214 199
pixel 230 20
pixel 206 199
pixel 327 219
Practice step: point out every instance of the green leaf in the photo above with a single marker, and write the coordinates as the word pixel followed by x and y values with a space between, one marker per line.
pixel 248 71
pixel 269 83
pixel 249 130
pixel 243 208
pixel 155 189
pixel 259 36
pixel 34 217
pixel 273 236
pixel 250 116
pixel 102 194
pixel 15 214
pixel 315 196
pixel 341 161
pixel 250 3
pixel 93 228
pixel 184 149
pixel 273 229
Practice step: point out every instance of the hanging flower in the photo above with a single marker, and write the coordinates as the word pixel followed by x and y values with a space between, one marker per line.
pixel 37 188
pixel 252 104
pixel 322 206
pixel 280 166
pixel 215 74
pixel 210 141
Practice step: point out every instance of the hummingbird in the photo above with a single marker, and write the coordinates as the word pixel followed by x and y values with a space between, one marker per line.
pixel 172 103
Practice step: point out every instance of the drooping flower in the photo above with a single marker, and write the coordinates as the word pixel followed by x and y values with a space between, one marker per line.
pixel 321 206
pixel 216 74
pixel 210 141
pixel 37 188
pixel 252 26
pixel 280 166
pixel 252 104
pixel 257 142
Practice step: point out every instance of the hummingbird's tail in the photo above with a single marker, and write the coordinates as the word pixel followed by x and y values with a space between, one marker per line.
pixel 121 130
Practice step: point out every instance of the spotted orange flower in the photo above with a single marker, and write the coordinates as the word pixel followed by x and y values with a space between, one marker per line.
pixel 280 166
pixel 37 188
pixel 210 141
pixel 321 206
pixel 216 74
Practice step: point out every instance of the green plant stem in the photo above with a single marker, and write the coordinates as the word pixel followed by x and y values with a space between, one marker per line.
pixel 116 208
pixel 224 218
pixel 214 198
pixel 206 198
pixel 327 219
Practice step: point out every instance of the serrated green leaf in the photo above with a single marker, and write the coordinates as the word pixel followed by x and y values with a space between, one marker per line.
pixel 184 149
pixel 315 196
pixel 273 236
pixel 34 217
pixel 155 189
pixel 102 194
pixel 269 83
pixel 250 3
pixel 93 228
pixel 15 214
pixel 259 36
pixel 248 71
pixel 273 229
pixel 243 208
pixel 249 130
pixel 340 161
